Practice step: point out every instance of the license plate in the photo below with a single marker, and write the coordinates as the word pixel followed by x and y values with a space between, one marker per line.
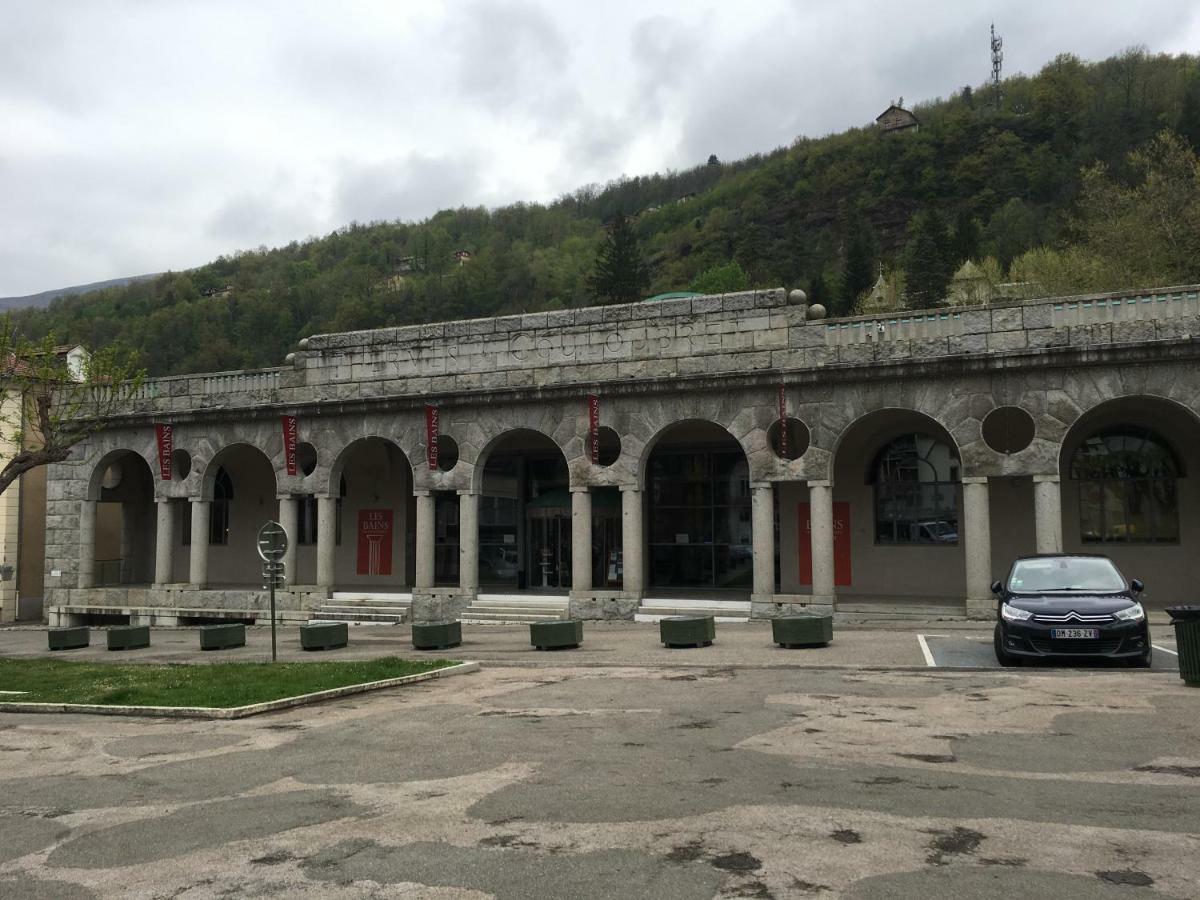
pixel 1075 634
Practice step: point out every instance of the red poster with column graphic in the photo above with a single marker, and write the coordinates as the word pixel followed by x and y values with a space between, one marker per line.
pixel 374 542
pixel 841 544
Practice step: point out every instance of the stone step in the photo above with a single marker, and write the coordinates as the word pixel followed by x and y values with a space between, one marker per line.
pixel 529 608
pixel 659 616
pixel 486 617
pixel 366 604
pixel 365 618
pixel 509 600
pixel 389 596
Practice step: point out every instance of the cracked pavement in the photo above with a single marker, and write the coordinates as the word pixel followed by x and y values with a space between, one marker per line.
pixel 626 782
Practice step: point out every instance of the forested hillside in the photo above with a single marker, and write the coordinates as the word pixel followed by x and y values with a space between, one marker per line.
pixel 973 182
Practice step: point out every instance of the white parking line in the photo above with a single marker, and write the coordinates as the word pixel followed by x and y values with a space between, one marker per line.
pixel 925 649
pixel 1164 649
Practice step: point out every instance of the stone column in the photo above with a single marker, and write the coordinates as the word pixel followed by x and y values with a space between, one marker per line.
pixel 87 544
pixel 164 542
pixel 977 539
pixel 468 541
pixel 198 564
pixel 632 567
pixel 581 540
pixel 289 518
pixel 1047 513
pixel 326 534
pixel 762 498
pixel 425 527
pixel 820 511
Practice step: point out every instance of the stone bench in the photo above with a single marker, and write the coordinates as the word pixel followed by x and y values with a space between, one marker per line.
pixel 556 635
pixel 688 631
pixel 222 637
pixel 128 637
pixel 436 635
pixel 802 631
pixel 324 636
pixel 73 638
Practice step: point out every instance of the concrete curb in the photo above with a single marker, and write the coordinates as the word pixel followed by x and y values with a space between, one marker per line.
pixel 238 712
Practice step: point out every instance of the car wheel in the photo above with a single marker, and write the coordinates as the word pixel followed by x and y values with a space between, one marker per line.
pixel 1003 656
pixel 1142 662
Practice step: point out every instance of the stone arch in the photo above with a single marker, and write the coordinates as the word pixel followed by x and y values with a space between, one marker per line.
pixel 497 438
pixel 337 468
pixel 1176 422
pixel 222 456
pixel 96 477
pixel 122 485
pixel 873 426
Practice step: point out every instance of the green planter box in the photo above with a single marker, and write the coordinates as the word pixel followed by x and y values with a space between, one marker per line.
pixel 128 637
pixel 72 638
pixel 688 631
pixel 324 635
pixel 556 635
pixel 222 637
pixel 1186 620
pixel 436 635
pixel 802 631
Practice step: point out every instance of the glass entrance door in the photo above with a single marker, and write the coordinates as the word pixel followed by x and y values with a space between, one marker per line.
pixel 549 563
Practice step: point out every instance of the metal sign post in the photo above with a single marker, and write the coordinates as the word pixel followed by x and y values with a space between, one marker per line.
pixel 272 545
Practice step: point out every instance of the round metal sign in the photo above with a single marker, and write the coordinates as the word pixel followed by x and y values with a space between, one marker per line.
pixel 272 542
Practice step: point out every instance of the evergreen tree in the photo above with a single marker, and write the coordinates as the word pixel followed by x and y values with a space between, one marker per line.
pixel 619 275
pixel 967 238
pixel 927 270
pixel 1189 116
pixel 817 290
pixel 858 272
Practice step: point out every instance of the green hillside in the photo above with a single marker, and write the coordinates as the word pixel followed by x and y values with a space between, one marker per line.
pixel 973 181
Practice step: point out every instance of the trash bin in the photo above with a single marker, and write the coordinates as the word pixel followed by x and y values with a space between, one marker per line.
pixel 1186 620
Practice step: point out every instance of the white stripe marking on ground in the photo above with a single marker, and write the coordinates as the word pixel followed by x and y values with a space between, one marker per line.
pixel 925 649
pixel 1164 649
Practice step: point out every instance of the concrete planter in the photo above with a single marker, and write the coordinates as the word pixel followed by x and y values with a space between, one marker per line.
pixel 68 638
pixel 802 631
pixel 222 637
pixel 688 631
pixel 556 635
pixel 128 637
pixel 436 635
pixel 324 636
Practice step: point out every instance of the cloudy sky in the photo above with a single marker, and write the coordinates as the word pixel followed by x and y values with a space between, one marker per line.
pixel 142 135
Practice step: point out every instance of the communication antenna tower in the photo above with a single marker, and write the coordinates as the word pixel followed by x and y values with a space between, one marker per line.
pixel 997 62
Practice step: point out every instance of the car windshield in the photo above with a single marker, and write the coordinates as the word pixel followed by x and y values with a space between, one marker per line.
pixel 1064 573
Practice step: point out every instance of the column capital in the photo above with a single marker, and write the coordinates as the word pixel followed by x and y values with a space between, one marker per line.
pixel 629 488
pixel 418 493
pixel 820 482
pixel 580 488
pixel 761 485
pixel 198 500
pixel 974 479
pixel 1047 479
pixel 164 499
pixel 470 492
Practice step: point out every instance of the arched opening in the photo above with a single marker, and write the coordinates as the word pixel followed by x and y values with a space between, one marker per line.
pixel 897 510
pixel 525 515
pixel 698 516
pixel 374 514
pixel 125 520
pixel 1127 491
pixel 239 482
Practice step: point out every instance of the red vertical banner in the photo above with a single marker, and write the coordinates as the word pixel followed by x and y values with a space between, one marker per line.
pixel 594 427
pixel 165 434
pixel 431 435
pixel 290 431
pixel 841 544
pixel 783 429
pixel 374 542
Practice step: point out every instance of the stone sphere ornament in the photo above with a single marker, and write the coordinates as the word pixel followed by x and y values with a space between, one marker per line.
pixel 816 311
pixel 797 297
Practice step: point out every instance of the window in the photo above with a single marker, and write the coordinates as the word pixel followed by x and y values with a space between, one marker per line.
pixel 1127 487
pixel 218 517
pixel 916 491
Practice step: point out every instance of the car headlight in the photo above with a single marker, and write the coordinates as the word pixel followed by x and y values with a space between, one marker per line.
pixel 1131 613
pixel 1012 614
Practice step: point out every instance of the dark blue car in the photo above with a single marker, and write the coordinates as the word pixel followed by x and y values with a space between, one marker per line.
pixel 1069 606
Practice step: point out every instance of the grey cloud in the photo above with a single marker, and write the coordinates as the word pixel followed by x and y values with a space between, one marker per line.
pixel 410 187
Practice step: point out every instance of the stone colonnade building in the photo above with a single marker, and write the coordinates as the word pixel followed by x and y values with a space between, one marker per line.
pixel 751 456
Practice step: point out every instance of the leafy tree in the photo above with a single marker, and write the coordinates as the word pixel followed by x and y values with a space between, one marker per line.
pixel 1012 230
pixel 858 271
pixel 1189 115
pixel 620 275
pixel 724 279
pixel 967 238
pixel 46 408
pixel 927 271
pixel 712 160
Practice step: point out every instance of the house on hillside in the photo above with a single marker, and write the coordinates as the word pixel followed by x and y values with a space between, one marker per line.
pixel 462 256
pixel 895 119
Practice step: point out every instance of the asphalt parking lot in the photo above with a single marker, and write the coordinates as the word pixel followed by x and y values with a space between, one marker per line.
pixel 973 650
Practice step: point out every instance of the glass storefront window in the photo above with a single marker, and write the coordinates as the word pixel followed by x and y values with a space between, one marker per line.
pixel 916 491
pixel 1127 487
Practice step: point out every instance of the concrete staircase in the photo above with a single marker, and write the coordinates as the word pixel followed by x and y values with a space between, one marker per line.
pixel 514 609
pixel 850 612
pixel 366 608
pixel 721 610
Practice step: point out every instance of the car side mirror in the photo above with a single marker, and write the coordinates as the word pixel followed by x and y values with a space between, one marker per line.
pixel 997 587
pixel 1137 585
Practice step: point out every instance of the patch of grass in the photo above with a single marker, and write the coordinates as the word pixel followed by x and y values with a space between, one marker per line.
pixel 214 685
